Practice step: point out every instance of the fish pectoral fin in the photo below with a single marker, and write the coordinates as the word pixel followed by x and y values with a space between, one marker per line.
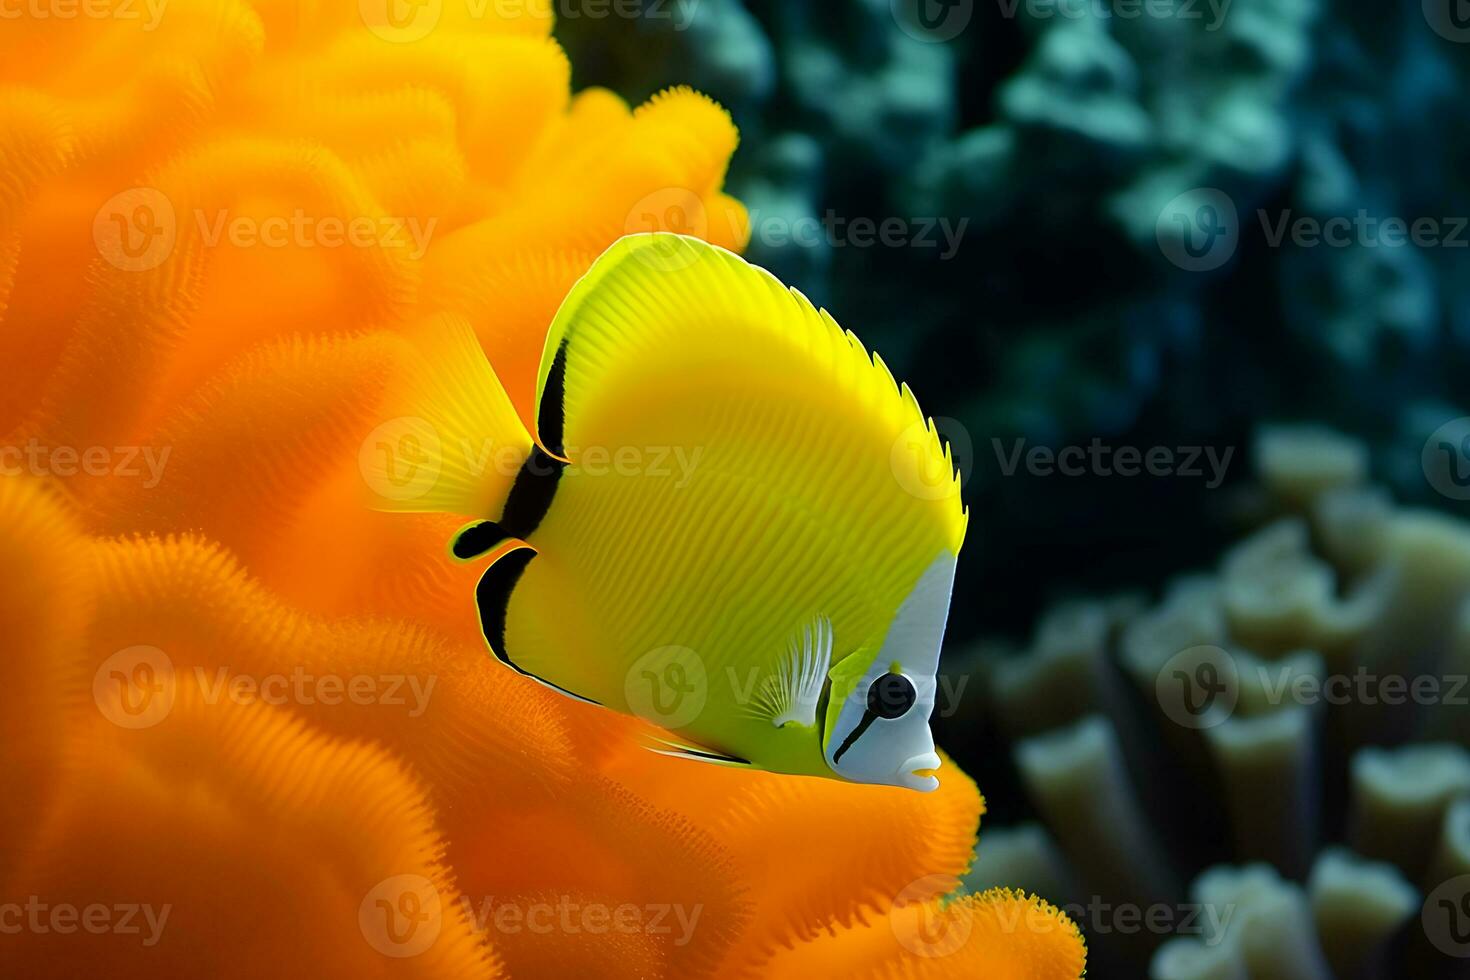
pixel 492 597
pixel 793 692
pixel 690 750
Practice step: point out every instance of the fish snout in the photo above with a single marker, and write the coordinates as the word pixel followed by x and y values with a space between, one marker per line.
pixel 918 772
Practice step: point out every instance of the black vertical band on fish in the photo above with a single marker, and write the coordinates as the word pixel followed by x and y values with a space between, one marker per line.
pixel 492 595
pixel 535 485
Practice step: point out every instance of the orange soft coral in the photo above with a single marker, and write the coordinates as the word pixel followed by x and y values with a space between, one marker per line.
pixel 258 714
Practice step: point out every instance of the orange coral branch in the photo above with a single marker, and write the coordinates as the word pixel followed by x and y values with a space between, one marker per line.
pixel 240 695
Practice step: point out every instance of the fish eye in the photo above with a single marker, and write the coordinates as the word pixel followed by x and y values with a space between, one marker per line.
pixel 891 696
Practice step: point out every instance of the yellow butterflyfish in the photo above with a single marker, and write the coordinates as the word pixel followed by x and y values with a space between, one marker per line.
pixel 729 520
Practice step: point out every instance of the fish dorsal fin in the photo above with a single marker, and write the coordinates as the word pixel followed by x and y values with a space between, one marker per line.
pixel 793 692
pixel 693 752
pixel 659 318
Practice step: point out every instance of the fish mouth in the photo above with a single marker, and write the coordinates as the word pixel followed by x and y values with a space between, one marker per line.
pixel 919 772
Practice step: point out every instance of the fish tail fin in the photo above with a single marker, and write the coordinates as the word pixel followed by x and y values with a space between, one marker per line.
pixel 448 439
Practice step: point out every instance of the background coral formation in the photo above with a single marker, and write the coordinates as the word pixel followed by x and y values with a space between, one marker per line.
pixel 1273 755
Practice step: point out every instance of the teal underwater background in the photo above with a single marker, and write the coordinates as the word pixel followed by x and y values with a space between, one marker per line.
pixel 1056 133
pixel 1230 231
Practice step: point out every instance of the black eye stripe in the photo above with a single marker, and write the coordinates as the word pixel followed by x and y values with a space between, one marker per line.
pixel 891 696
pixel 853 736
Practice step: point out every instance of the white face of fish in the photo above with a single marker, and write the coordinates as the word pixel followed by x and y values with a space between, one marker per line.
pixel 882 729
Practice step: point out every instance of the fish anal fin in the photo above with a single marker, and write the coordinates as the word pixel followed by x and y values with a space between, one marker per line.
pixel 492 597
pixel 692 751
